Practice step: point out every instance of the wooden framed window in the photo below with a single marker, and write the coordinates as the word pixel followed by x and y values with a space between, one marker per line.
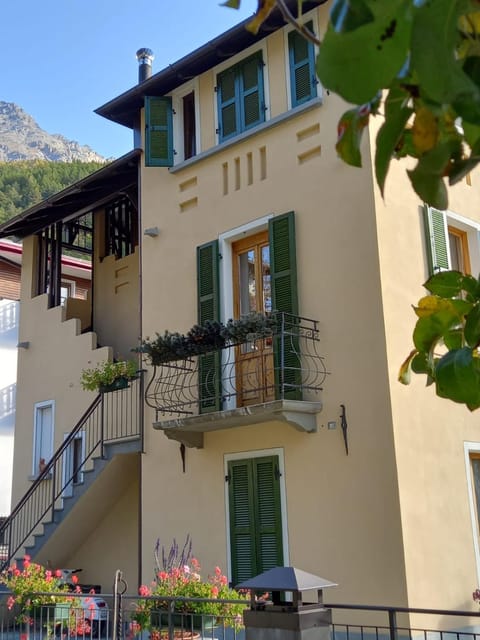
pixel 189 129
pixel 158 131
pixel 120 228
pixel 459 253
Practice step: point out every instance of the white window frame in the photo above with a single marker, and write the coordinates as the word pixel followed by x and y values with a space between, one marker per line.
pixel 243 55
pixel 307 17
pixel 225 241
pixel 471 228
pixel 469 448
pixel 38 406
pixel 245 455
pixel 177 106
pixel 67 463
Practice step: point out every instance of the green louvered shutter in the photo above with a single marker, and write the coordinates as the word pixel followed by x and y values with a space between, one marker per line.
pixel 242 521
pixel 227 99
pixel 303 80
pixel 255 516
pixel 287 361
pixel 436 232
pixel 209 378
pixel 250 78
pixel 158 132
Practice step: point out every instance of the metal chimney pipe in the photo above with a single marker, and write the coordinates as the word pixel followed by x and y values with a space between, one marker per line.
pixel 145 59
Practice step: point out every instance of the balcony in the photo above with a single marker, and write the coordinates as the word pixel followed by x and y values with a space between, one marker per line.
pixel 275 374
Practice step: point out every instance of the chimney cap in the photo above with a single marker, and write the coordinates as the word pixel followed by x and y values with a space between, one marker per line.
pixel 145 55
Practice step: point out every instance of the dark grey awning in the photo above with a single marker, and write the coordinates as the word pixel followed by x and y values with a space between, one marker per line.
pixel 285 579
pixel 116 178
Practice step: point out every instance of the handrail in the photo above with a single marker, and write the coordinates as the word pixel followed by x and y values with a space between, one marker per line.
pixel 110 417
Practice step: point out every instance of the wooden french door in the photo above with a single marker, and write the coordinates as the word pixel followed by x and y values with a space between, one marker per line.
pixel 252 292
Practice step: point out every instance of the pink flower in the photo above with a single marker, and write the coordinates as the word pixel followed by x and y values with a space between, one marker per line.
pixel 10 602
pixel 58 573
pixel 144 591
pixel 214 592
pixel 26 561
pixel 74 579
pixel 218 571
pixel 223 580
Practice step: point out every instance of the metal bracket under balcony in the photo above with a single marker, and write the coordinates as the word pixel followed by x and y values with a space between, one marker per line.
pixel 275 375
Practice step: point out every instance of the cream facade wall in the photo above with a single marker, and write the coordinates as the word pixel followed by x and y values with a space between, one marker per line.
pixel 429 432
pixel 50 370
pixel 341 512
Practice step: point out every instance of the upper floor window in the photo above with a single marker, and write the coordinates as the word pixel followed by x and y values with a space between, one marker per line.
pixel 452 242
pixel 42 435
pixel 301 58
pixel 240 97
pixel 158 131
pixel 120 228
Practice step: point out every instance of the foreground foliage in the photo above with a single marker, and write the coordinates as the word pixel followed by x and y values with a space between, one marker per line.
pixel 24 183
pixel 447 338
pixel 423 57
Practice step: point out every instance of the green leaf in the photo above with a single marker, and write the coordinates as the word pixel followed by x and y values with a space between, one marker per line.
pixel 427 177
pixel 359 63
pixel 472 133
pixel 420 363
pixel 472 327
pixel 454 339
pixel 347 15
pixel 234 4
pixel 457 377
pixel 446 284
pixel 435 36
pixel 350 130
pixel 390 133
pixel 461 168
pixel 431 329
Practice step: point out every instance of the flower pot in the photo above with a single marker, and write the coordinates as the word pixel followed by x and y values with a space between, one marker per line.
pixel 178 634
pixel 116 385
pixel 189 621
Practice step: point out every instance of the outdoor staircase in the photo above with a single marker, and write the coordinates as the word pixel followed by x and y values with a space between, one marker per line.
pixel 111 427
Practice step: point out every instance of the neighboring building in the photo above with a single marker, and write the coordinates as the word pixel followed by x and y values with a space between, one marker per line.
pixel 233 199
pixel 75 283
pixel 10 266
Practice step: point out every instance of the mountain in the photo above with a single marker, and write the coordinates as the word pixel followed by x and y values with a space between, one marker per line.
pixel 22 139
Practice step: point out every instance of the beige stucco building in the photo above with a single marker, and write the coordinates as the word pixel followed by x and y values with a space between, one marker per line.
pixel 299 449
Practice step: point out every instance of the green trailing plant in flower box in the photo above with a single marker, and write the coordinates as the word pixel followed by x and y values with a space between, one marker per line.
pixel 108 375
pixel 207 337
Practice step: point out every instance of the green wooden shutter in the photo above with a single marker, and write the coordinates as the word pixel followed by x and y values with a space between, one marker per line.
pixel 436 233
pixel 287 361
pixel 250 79
pixel 209 309
pixel 228 113
pixel 255 516
pixel 303 80
pixel 268 520
pixel 242 521
pixel 158 132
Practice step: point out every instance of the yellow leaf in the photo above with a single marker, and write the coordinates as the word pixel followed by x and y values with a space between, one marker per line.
pixel 265 8
pixel 432 304
pixel 404 373
pixel 424 130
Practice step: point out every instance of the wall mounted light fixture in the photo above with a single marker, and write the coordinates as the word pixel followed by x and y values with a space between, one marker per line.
pixel 153 232
pixel 23 345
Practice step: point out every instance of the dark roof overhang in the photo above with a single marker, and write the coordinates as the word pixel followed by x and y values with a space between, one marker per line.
pixel 125 108
pixel 115 179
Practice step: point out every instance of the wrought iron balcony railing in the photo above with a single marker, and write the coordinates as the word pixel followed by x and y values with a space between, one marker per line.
pixel 283 364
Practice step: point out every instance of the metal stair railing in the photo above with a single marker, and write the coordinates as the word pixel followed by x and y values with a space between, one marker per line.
pixel 112 417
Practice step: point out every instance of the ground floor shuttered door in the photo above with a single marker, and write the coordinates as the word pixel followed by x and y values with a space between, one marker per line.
pixel 255 516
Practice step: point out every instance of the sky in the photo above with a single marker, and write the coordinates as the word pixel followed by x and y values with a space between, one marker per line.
pixel 61 59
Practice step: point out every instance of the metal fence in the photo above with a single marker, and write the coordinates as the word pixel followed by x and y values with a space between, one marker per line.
pixel 110 616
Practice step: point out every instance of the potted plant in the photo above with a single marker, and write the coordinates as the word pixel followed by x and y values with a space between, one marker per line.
pixel 177 579
pixel 109 376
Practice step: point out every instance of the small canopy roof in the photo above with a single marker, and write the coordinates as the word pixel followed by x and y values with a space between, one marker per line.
pixel 286 579
pixel 117 178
